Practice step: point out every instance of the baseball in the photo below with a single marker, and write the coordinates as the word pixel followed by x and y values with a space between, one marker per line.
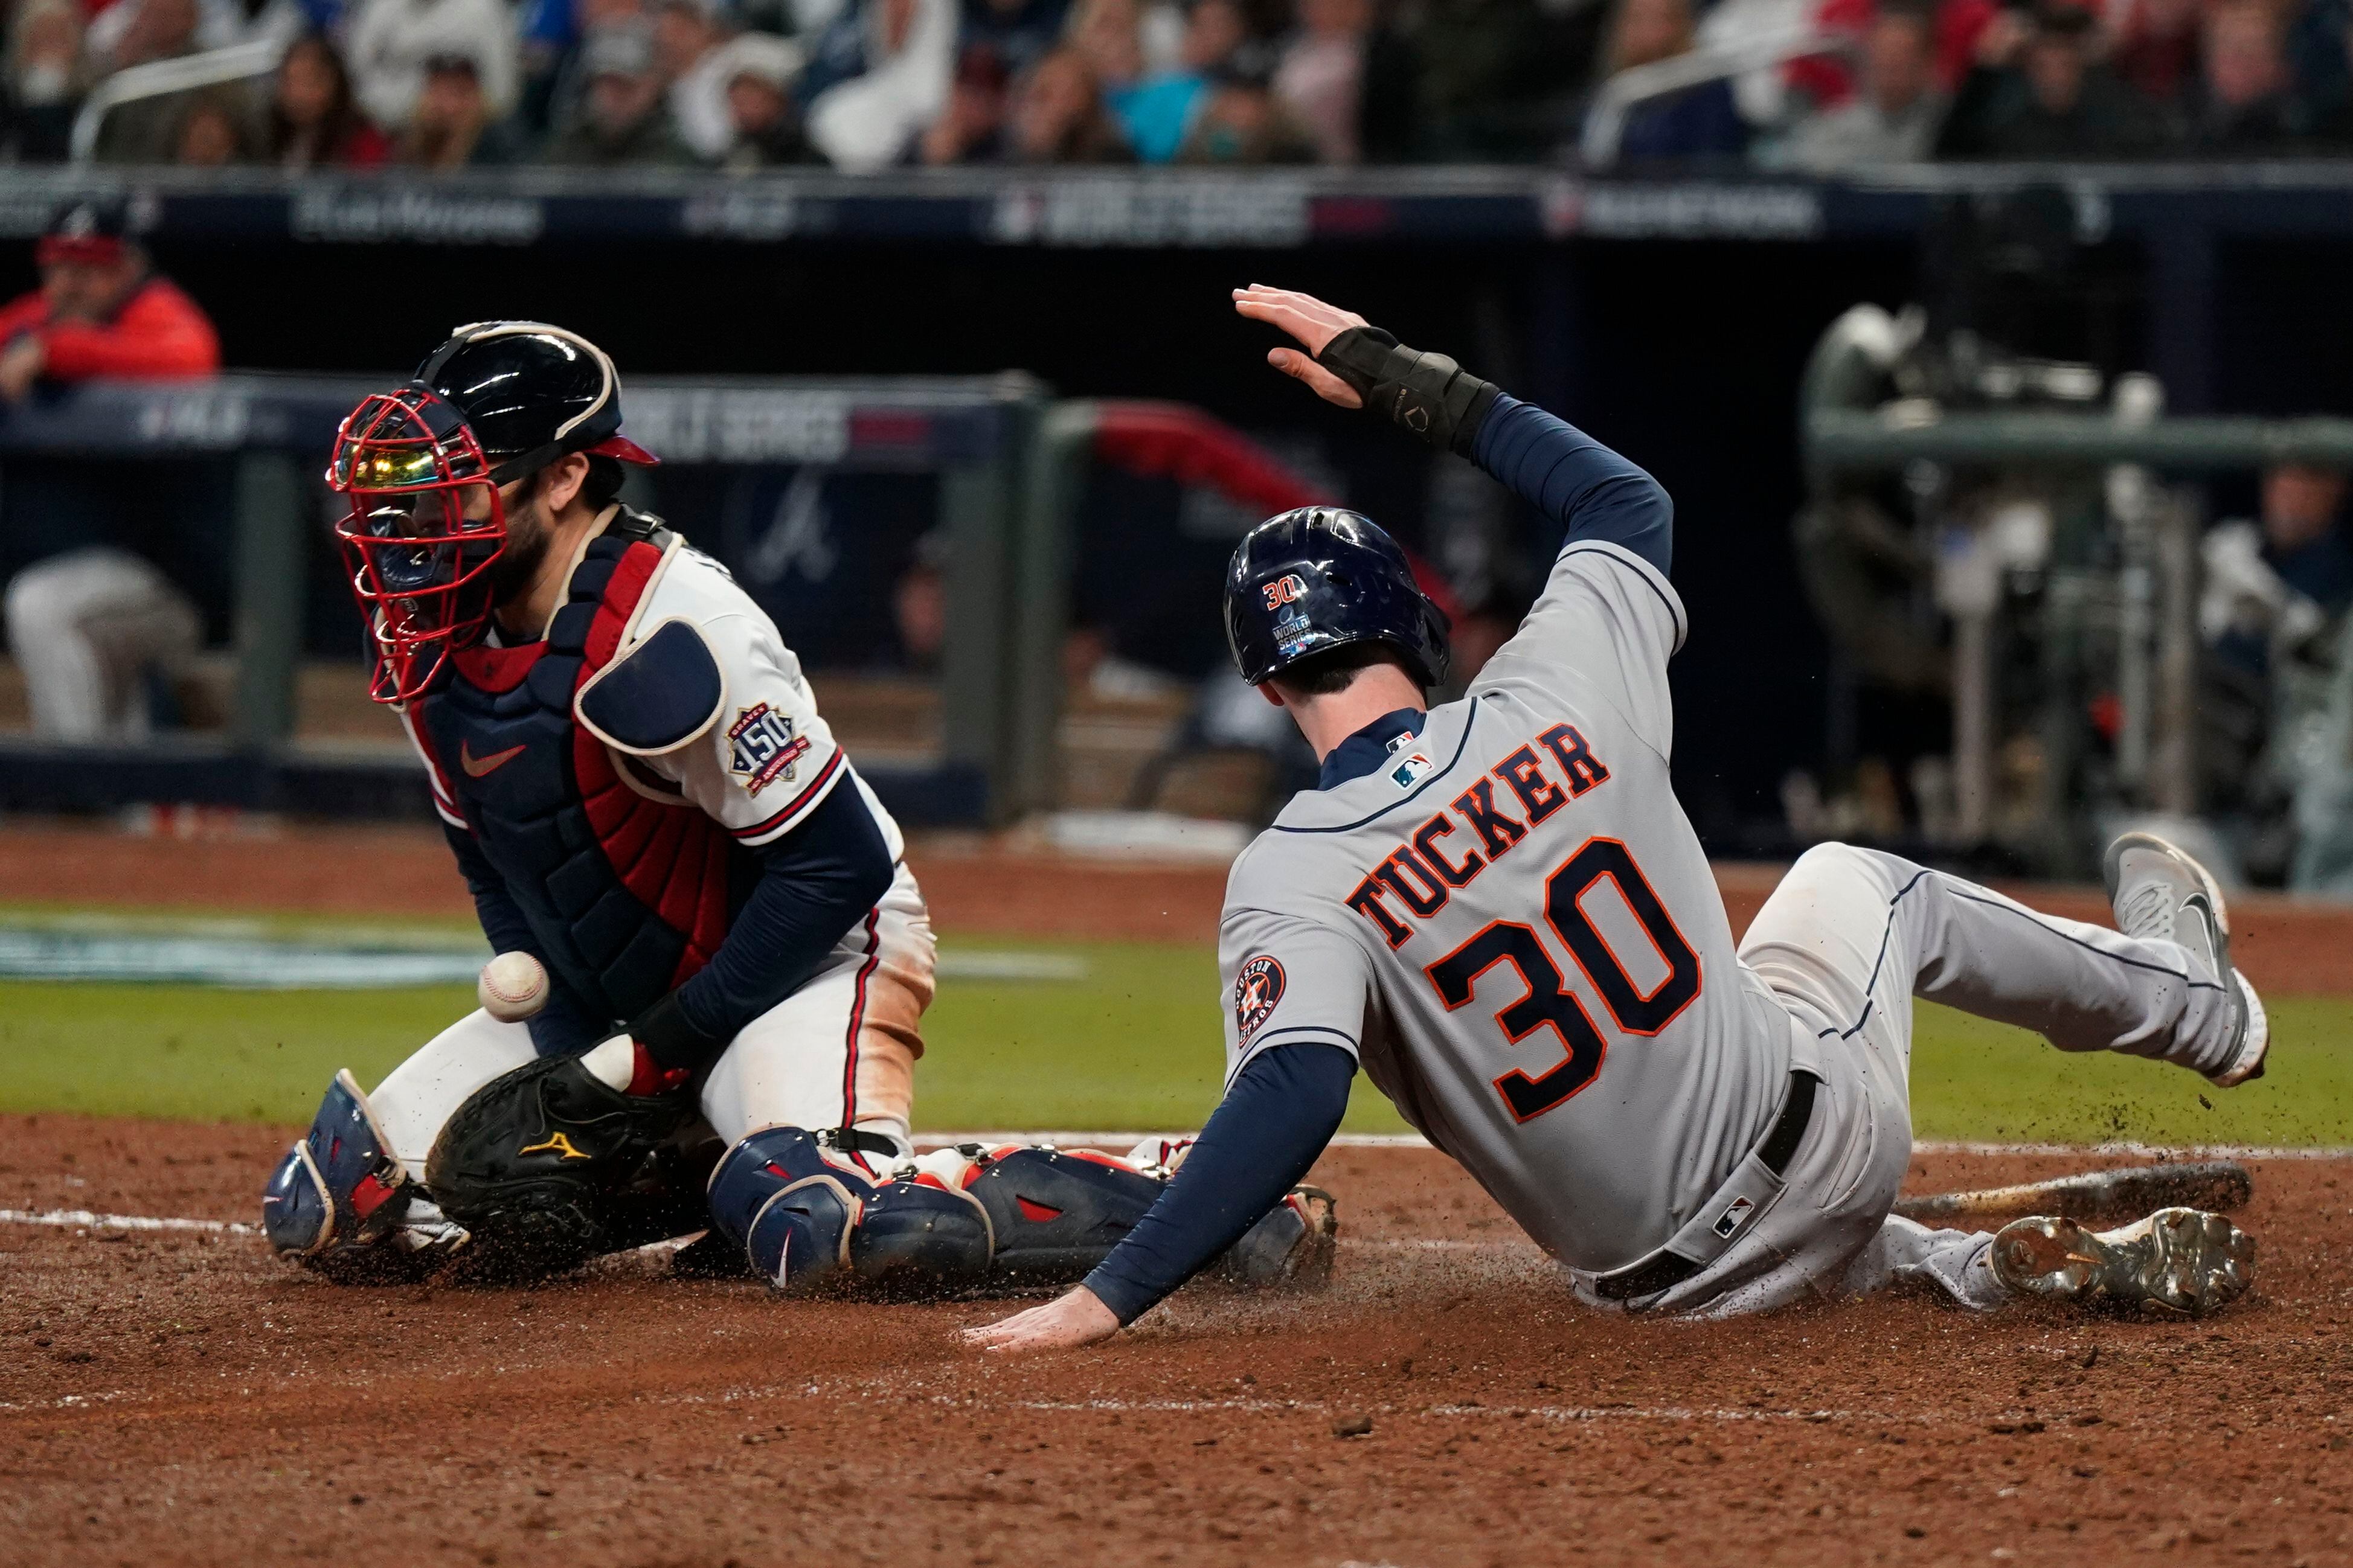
pixel 512 988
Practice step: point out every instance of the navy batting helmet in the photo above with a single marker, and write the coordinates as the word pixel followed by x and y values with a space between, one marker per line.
pixel 1318 578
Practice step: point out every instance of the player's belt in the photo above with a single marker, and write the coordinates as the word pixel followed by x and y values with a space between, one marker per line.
pixel 1665 1269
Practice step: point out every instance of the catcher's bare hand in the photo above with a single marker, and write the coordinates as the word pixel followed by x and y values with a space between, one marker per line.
pixel 1314 324
pixel 1075 1317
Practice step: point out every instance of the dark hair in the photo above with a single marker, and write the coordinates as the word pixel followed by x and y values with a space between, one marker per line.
pixel 1323 674
pixel 597 488
pixel 604 481
pixel 339 125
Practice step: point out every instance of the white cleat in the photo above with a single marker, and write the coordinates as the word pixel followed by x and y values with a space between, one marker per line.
pixel 2179 1260
pixel 2161 893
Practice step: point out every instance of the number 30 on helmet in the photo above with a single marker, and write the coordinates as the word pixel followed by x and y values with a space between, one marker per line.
pixel 1317 578
pixel 421 467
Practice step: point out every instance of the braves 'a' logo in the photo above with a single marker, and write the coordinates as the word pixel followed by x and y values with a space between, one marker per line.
pixel 1257 989
pixel 1283 590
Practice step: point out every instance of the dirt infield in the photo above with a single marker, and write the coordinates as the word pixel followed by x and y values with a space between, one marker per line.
pixel 171 1398
pixel 975 888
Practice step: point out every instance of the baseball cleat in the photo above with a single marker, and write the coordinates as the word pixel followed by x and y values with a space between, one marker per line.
pixel 2161 893
pixel 2180 1260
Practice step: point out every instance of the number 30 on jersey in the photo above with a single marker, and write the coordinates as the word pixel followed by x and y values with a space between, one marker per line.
pixel 1549 1003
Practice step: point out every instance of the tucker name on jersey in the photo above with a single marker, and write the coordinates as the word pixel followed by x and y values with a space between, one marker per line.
pixel 1419 874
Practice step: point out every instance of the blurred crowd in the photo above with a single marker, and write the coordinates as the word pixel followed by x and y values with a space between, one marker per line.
pixel 865 85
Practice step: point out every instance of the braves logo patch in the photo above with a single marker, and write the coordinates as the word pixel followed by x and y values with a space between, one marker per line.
pixel 1257 989
pixel 763 747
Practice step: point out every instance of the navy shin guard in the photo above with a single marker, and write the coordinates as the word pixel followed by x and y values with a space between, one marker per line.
pixel 1055 1214
pixel 339 1188
pixel 804 1221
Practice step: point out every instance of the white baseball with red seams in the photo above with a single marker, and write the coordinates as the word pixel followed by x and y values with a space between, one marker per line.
pixel 513 987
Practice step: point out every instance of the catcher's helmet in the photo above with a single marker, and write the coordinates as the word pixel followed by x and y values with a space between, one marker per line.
pixel 423 465
pixel 1318 578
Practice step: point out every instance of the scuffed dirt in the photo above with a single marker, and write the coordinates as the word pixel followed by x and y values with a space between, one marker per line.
pixel 178 1398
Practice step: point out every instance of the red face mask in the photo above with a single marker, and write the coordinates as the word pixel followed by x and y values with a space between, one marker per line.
pixel 412 471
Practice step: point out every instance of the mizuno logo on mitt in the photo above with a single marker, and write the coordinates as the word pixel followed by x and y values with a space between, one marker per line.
pixel 557 1141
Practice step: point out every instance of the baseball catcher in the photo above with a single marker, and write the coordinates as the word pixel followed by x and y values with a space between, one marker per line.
pixel 1496 907
pixel 643 799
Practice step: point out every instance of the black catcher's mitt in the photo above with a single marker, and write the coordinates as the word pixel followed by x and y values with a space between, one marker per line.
pixel 533 1163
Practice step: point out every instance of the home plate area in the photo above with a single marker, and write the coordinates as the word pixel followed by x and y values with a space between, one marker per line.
pixel 173 1394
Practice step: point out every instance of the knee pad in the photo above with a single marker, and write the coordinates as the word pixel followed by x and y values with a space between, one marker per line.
pixel 1055 1213
pixel 339 1188
pixel 806 1220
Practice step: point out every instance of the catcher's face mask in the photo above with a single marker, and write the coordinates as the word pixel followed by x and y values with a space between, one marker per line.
pixel 424 523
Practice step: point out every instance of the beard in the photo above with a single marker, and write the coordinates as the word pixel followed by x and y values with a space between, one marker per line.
pixel 529 531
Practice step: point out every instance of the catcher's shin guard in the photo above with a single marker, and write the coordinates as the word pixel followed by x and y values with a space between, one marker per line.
pixel 340 1189
pixel 1056 1213
pixel 807 1220
pixel 1289 1248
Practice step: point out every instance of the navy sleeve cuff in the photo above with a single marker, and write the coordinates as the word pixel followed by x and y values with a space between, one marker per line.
pixel 1259 1141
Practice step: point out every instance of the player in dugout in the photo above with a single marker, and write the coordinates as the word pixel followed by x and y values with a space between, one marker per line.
pixel 1498 909
pixel 93 624
pixel 713 960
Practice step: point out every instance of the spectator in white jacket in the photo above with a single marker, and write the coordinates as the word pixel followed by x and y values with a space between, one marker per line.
pixel 689 43
pixel 870 115
pixel 391 40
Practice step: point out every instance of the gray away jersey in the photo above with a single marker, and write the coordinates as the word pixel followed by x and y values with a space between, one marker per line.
pixel 1512 926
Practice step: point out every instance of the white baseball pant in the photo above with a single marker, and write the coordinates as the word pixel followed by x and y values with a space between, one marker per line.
pixel 85 628
pixel 1846 941
pixel 839 1052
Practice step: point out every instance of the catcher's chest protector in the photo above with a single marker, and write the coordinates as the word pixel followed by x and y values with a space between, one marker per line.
pixel 629 893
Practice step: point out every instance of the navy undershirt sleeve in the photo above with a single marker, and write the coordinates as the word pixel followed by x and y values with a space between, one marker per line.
pixel 1575 481
pixel 565 1025
pixel 816 883
pixel 1261 1139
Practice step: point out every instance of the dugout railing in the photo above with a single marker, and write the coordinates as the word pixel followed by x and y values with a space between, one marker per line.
pixel 1004 603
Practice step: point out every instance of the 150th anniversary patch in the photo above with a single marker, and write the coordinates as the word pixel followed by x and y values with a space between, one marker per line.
pixel 764 747
pixel 1256 991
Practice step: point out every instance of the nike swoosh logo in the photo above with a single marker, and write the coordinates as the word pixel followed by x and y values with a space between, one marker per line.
pixel 478 766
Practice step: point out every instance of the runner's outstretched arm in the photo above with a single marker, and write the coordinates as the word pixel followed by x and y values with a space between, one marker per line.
pixel 1588 489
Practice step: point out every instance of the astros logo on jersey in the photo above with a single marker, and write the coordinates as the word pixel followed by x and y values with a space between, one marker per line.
pixel 1256 991
pixel 1283 590
pixel 765 747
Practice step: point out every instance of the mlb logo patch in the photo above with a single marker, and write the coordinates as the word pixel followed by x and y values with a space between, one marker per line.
pixel 1411 771
pixel 763 747
pixel 1735 1216
pixel 1257 989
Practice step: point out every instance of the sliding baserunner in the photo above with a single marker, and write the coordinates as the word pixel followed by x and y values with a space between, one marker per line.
pixel 1497 909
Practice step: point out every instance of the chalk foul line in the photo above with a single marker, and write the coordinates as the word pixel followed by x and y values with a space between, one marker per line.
pixel 91 1220
pixel 85 1220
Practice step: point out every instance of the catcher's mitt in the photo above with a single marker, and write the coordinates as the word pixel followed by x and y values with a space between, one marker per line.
pixel 531 1162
